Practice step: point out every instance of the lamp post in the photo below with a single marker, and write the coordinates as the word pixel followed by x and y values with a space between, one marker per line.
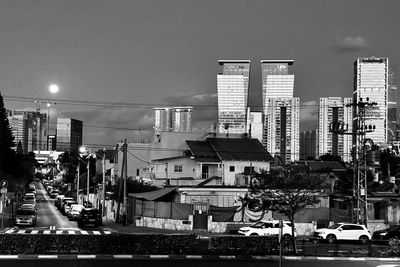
pixel 104 183
pixel 53 89
pixel 77 183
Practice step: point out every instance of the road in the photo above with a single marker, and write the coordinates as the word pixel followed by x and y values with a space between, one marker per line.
pixel 162 262
pixel 49 217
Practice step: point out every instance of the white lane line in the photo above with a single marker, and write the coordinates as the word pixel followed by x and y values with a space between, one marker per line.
pixel 122 256
pixel 46 232
pixel 10 231
pixel 21 232
pixel 59 232
pixel 159 256
pixel 96 232
pixel 8 256
pixel 71 232
pixel 356 259
pixel 34 232
pixel 86 256
pixel 84 233
pixel 194 257
pixel 325 258
pixel 107 232
pixel 227 257
pixel 47 256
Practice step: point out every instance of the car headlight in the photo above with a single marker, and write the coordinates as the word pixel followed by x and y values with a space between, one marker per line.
pixel 320 233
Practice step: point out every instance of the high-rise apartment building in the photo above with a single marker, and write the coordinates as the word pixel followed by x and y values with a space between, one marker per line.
pixel 281 110
pixel 182 119
pixel 371 81
pixel 334 110
pixel 69 134
pixel 232 89
pixel 172 119
pixel 309 144
pixel 255 124
pixel 393 94
pixel 29 128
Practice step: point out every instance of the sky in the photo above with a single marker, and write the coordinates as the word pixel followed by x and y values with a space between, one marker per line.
pixel 132 55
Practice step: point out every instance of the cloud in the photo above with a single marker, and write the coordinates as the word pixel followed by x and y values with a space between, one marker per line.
pixel 309 111
pixel 351 44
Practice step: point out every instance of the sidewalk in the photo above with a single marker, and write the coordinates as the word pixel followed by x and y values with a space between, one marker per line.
pixel 132 229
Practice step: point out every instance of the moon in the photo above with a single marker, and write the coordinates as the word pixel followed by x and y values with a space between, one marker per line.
pixel 53 88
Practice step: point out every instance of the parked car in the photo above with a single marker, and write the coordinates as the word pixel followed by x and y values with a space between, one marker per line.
pixel 58 200
pixel 74 211
pixel 28 206
pixel 387 234
pixel 344 231
pixel 31 190
pixel 89 216
pixel 54 193
pixel 67 206
pixel 62 203
pixel 28 196
pixel 26 217
pixel 267 228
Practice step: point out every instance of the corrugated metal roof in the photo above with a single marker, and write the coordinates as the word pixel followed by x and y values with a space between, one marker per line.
pixel 153 195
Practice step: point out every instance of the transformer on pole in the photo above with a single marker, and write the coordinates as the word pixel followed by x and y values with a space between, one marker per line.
pixel 360 148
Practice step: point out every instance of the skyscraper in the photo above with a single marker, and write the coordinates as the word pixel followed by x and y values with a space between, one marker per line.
pixel 172 119
pixel 392 109
pixel 182 119
pixel 28 127
pixel 309 144
pixel 232 89
pixel 69 134
pixel 371 81
pixel 162 121
pixel 281 110
pixel 334 110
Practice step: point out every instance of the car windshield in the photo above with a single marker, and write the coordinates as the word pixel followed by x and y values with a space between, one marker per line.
pixel 334 226
pixel 91 212
pixel 77 207
pixel 25 212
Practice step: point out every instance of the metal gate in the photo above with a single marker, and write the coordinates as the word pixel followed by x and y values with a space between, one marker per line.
pixel 200 216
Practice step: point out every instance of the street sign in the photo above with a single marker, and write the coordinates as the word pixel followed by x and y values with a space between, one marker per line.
pixel 3 190
pixel 3 183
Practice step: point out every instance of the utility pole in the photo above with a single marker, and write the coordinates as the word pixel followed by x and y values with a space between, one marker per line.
pixel 77 182
pixel 360 129
pixel 125 175
pixel 88 168
pixel 104 183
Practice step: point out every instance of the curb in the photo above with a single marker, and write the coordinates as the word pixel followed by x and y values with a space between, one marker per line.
pixel 188 257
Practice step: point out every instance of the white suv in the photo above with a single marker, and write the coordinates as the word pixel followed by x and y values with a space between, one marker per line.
pixel 344 231
pixel 267 228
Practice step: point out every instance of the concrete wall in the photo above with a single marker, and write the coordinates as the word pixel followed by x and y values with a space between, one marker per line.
pixel 168 224
pixel 228 177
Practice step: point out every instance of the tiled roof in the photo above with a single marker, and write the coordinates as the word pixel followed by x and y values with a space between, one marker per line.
pixel 202 151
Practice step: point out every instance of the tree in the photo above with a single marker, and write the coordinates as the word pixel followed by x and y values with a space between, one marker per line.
pixel 7 154
pixel 292 194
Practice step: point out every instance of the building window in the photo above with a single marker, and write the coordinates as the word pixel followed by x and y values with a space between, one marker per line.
pixel 137 172
pixel 178 168
pixel 249 170
pixel 231 168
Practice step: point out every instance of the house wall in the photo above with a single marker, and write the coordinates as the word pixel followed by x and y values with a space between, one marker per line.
pixel 162 223
pixel 228 176
pixel 221 197
pixel 166 169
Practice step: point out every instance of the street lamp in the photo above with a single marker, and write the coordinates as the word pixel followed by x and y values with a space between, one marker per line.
pixel 53 89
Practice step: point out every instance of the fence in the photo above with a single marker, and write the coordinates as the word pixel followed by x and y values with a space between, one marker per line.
pixel 155 209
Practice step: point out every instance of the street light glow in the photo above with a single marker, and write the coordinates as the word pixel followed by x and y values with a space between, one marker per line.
pixel 53 88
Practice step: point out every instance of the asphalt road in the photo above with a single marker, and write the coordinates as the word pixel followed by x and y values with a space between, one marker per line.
pixel 195 263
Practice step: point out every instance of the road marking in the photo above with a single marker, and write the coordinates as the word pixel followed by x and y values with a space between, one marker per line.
pixel 292 258
pixel 356 259
pixel 86 256
pixel 227 257
pixel 122 256
pixel 388 265
pixel 107 232
pixel 59 232
pixel 9 231
pixel 194 256
pixel 46 232
pixel 159 256
pixel 8 256
pixel 96 232
pixel 71 232
pixel 84 233
pixel 21 232
pixel 34 232
pixel 47 256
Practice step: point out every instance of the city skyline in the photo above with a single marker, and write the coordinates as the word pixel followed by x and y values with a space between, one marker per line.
pixel 143 53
